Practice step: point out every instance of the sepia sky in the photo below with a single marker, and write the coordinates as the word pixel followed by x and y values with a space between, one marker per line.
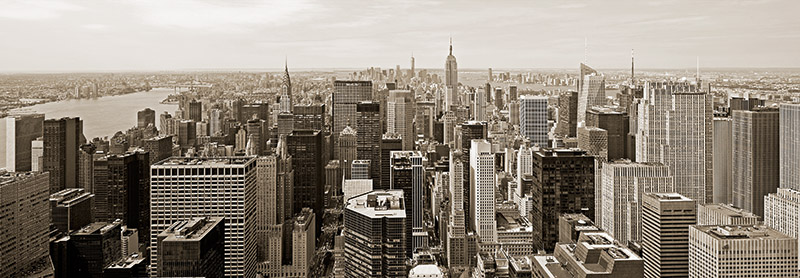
pixel 54 35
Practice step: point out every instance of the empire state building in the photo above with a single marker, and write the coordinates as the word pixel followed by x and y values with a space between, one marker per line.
pixel 451 70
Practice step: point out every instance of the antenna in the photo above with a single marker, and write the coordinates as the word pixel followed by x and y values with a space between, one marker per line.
pixel 585 50
pixel 632 76
pixel 698 71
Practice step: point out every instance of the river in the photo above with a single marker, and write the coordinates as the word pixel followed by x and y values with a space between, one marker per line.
pixel 102 117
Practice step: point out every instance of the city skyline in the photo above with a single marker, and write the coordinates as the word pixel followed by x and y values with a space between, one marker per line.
pixel 208 35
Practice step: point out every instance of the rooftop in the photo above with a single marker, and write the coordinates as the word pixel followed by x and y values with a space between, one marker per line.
pixel 193 229
pixel 729 210
pixel 669 197
pixel 742 232
pixel 379 203
pixel 205 161
pixel 96 228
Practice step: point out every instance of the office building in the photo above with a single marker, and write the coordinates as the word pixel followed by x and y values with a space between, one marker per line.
pixel 374 235
pixel 71 209
pixel 567 114
pixel 286 103
pixel 533 119
pixel 86 156
pixel 782 212
pixel 456 228
pixel 285 123
pixel 408 174
pixel 306 148
pixel 257 132
pixel 355 187
pixel 195 111
pixel 346 95
pixel 24 223
pixel 185 187
pixel 563 182
pixel 122 190
pixel 723 160
pixel 145 118
pixel 15 145
pixel 723 214
pixel 756 167
pixel 572 225
pixel 741 251
pixel 666 218
pixel 738 103
pixel 400 116
pixel 310 116
pixel 37 155
pixel 623 184
pixel 360 169
pixel 192 248
pixel 159 148
pixel 131 266
pixel 595 254
pixel 93 248
pixel 292 247
pixel 482 183
pixel 347 150
pixel 616 124
pixel 389 143
pixel 675 119
pixel 471 130
pixel 478 105
pixel 592 91
pixel 369 133
pixel 62 137
pixel 187 135
pixel 789 141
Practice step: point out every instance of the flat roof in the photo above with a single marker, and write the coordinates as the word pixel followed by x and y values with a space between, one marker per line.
pixel 670 197
pixel 204 161
pixel 729 210
pixel 382 206
pixel 741 232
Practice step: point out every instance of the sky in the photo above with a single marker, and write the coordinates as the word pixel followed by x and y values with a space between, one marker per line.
pixel 143 35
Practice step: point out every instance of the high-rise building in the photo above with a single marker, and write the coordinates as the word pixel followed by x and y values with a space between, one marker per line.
pixel 595 254
pixel 310 116
pixel 195 111
pixel 306 148
pixel 533 119
pixel 738 103
pixel 159 148
pixel 86 156
pixel 616 124
pixel 723 214
pixel 256 130
pixel 369 134
pixel 360 169
pixel 346 95
pixel 285 123
pixel 408 174
pixel 192 248
pixel 145 117
pixel 215 119
pixel 741 251
pixel 187 135
pixel 71 209
pixel 166 124
pixel 400 116
pixel 347 150
pixel 789 140
pixel 457 256
pixel 482 183
pixel 451 72
pixel 37 155
pixel 674 121
pixel 389 143
pixel 62 137
pixel 666 218
pixel 591 91
pixel 93 248
pixel 563 182
pixel 623 184
pixel 756 167
pixel 374 235
pixel 185 187
pixel 122 190
pixel 15 145
pixel 567 114
pixel 479 105
pixel 499 97
pixel 24 223
pixel 782 212
pixel 572 225
pixel 286 92
pixel 723 160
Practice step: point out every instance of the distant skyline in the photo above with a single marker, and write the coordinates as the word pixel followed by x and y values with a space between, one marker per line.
pixel 148 35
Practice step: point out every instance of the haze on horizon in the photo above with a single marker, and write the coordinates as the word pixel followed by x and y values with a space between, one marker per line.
pixel 140 35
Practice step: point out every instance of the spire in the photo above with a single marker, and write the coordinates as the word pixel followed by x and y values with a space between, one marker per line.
pixel 632 76
pixel 451 46
pixel 698 71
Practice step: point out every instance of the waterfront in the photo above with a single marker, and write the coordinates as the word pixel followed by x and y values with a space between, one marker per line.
pixel 102 117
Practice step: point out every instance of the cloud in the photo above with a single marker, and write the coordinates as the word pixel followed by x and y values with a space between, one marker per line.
pixel 35 9
pixel 95 27
pixel 224 16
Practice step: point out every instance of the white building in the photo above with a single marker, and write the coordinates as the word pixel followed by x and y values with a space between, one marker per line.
pixel 400 116
pixel 666 219
pixel 425 271
pixel 355 187
pixel 722 214
pixel 482 181
pixel 741 251
pixel 789 141
pixel 782 212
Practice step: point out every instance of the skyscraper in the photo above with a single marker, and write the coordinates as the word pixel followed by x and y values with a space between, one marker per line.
pixel 567 114
pixel 471 130
pixel 93 248
pixel 122 190
pixel 482 183
pixel 389 143
pixel 782 212
pixel 311 116
pixel 616 124
pixel 666 218
pixel 408 174
pixel 623 185
pixel 451 71
pixel 790 146
pixel 563 182
pixel 374 235
pixel 306 148
pixel 158 148
pixel 187 135
pixel 192 248
pixel 592 91
pixel 400 116
pixel 183 187
pixel 533 119
pixel 675 129
pixel 15 145
pixel 456 229
pixel 369 134
pixel 346 95
pixel 24 223
pixel 722 214
pixel 347 150
pixel 741 251
pixel 286 92
pixel 479 106
pixel 756 167
pixel 146 117
pixel 195 111
pixel 71 209
pixel 62 137
pixel 723 160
